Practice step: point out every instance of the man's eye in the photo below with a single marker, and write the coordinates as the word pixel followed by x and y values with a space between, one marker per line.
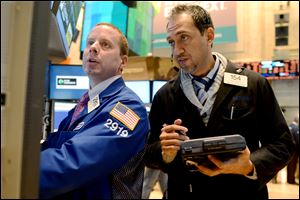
pixel 105 45
pixel 184 37
pixel 90 42
pixel 171 43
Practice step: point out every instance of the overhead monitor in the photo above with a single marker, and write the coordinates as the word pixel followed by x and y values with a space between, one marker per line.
pixel 156 85
pixel 113 12
pixel 63 30
pixel 139 28
pixel 60 111
pixel 67 82
pixel 141 88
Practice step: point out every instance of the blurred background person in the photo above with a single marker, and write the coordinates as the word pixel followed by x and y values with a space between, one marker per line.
pixel 151 177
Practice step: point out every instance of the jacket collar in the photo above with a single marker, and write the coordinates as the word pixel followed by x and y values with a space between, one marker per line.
pixel 224 90
pixel 111 90
pixel 100 87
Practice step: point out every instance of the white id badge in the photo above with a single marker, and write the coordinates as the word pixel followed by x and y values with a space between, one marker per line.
pixel 235 79
pixel 93 104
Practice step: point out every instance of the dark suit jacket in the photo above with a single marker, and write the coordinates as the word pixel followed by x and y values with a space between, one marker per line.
pixel 257 117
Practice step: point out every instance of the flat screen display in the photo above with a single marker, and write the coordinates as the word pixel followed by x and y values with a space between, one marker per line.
pixel 141 88
pixel 139 28
pixel 113 12
pixel 60 111
pixel 156 85
pixel 67 82
pixel 63 29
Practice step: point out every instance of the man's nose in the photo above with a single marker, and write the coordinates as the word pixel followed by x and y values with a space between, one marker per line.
pixel 178 50
pixel 94 48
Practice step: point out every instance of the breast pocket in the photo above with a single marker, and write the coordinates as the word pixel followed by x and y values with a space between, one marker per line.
pixel 238 119
pixel 235 113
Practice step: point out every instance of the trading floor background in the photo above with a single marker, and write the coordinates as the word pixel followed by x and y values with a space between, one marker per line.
pixel 40 41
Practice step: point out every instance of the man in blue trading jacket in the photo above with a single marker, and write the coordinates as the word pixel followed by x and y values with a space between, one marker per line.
pixel 212 97
pixel 97 152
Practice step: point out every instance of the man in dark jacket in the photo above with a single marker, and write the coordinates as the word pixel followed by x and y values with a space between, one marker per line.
pixel 212 97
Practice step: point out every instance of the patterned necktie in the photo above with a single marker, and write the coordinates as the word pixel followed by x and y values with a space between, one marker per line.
pixel 79 107
pixel 201 86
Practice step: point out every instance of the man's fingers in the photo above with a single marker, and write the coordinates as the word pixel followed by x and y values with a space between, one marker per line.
pixel 174 127
pixel 178 121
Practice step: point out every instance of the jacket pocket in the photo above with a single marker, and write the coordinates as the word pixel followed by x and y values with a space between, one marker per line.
pixel 238 120
pixel 235 113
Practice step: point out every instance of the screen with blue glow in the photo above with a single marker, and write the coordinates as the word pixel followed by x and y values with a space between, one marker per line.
pixel 60 111
pixel 113 12
pixel 266 68
pixel 274 69
pixel 141 88
pixel 67 15
pixel 67 82
pixel 156 85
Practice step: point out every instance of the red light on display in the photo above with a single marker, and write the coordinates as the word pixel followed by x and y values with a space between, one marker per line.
pixel 274 69
pixel 255 66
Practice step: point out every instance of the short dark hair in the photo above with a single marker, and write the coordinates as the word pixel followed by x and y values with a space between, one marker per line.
pixel 123 43
pixel 201 17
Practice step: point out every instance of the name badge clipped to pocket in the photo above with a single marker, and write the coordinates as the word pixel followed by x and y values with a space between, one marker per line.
pixel 79 126
pixel 235 79
pixel 93 104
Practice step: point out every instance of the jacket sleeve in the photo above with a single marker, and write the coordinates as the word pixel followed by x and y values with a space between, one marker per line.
pixel 54 136
pixel 277 145
pixel 157 118
pixel 102 146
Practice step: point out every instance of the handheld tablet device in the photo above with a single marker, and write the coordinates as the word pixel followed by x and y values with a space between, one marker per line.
pixel 223 147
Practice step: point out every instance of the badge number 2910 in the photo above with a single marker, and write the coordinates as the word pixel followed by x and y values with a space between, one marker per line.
pixel 114 126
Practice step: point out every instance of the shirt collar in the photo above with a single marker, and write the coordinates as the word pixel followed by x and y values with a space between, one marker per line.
pixel 100 87
pixel 212 72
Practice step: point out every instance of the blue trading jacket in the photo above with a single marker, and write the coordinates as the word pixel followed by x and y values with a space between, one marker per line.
pixel 99 156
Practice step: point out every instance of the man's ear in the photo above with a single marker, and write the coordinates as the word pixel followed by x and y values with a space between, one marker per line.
pixel 210 35
pixel 124 60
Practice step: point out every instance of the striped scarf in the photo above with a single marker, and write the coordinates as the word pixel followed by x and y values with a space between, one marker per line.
pixel 209 96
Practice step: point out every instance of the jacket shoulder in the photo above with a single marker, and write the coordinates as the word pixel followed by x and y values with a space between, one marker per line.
pixel 252 75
